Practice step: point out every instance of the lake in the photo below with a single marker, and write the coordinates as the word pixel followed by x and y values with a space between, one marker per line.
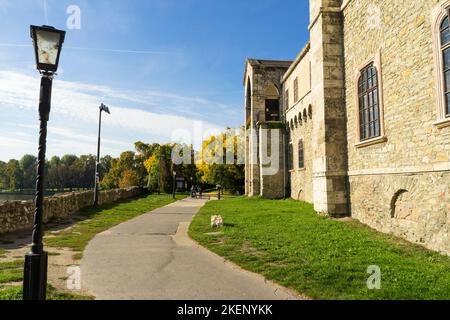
pixel 15 197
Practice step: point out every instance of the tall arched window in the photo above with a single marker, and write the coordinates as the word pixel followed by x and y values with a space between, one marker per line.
pixel 369 107
pixel 301 155
pixel 445 48
pixel 441 49
pixel 272 103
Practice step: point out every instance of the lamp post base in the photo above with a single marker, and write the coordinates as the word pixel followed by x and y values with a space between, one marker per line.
pixel 35 276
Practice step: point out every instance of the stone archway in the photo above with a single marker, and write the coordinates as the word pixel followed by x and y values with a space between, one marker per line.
pixel 401 205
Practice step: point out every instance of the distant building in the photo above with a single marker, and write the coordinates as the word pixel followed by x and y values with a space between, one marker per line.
pixel 363 115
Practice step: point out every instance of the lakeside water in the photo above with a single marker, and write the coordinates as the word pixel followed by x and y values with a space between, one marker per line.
pixel 15 197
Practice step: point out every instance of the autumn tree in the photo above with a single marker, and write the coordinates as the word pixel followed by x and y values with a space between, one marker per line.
pixel 129 179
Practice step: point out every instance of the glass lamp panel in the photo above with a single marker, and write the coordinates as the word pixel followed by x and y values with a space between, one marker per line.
pixel 47 46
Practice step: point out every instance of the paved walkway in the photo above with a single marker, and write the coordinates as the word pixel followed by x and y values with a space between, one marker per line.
pixel 152 258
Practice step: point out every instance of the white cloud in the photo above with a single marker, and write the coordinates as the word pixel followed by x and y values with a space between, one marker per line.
pixel 135 115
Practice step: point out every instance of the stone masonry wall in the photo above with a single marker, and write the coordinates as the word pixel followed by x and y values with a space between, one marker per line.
pixel 301 178
pixel 327 96
pixel 261 74
pixel 400 184
pixel 299 121
pixel 18 215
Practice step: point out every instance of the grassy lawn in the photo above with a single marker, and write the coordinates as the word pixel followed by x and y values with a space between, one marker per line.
pixel 76 238
pixel 286 241
pixel 13 272
pixel 104 218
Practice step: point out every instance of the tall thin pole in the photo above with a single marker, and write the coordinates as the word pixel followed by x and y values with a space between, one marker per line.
pixel 159 172
pixel 36 261
pixel 97 162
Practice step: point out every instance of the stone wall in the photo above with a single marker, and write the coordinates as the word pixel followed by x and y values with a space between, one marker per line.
pixel 329 121
pixel 400 182
pixel 259 76
pixel 18 215
pixel 299 122
pixel 414 207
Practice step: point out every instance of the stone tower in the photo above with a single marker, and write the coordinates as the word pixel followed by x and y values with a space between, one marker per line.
pixel 330 166
pixel 265 129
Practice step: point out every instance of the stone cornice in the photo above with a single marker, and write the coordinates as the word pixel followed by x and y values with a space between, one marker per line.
pixel 322 11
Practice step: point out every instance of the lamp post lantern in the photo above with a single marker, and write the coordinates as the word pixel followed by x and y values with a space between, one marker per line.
pixel 102 108
pixel 47 43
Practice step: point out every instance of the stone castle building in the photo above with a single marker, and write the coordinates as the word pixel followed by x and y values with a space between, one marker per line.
pixel 359 123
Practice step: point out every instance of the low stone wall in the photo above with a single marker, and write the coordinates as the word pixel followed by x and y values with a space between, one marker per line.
pixel 18 215
pixel 415 206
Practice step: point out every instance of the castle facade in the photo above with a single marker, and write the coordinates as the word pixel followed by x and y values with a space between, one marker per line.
pixel 359 123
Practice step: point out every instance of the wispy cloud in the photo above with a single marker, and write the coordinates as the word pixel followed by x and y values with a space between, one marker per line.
pixel 134 113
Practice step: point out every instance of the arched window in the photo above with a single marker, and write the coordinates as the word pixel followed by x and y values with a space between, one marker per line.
pixel 272 103
pixel 301 155
pixel 445 48
pixel 369 107
pixel 441 49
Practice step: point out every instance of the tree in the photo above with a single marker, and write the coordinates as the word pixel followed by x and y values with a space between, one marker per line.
pixel 152 166
pixel 28 164
pixel 15 175
pixel 125 162
pixel 105 165
pixel 129 179
pixel 4 181
pixel 214 170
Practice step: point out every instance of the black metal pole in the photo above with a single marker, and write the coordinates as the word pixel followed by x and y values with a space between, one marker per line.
pixel 159 172
pixel 174 182
pixel 97 162
pixel 36 261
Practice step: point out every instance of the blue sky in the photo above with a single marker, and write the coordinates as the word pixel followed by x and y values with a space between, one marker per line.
pixel 167 68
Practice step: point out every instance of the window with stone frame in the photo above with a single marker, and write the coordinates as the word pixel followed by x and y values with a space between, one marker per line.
pixel 296 90
pixel 369 106
pixel 445 48
pixel 301 155
pixel 286 99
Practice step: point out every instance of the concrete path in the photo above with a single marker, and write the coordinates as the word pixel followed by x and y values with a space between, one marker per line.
pixel 152 258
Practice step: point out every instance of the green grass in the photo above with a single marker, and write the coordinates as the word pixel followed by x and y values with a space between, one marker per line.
pixel 104 218
pixel 15 293
pixel 11 271
pixel 286 241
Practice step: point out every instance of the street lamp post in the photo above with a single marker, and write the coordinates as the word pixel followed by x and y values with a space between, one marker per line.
pixel 102 108
pixel 47 42
pixel 174 183
pixel 218 191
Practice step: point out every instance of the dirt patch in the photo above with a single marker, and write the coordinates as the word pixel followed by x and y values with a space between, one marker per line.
pixel 59 259
pixel 248 249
